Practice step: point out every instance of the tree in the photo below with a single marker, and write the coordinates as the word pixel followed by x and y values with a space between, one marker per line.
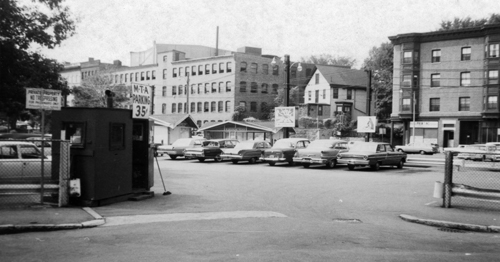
pixel 327 59
pixel 294 94
pixel 461 23
pixel 21 27
pixel 92 91
pixel 240 113
pixel 380 62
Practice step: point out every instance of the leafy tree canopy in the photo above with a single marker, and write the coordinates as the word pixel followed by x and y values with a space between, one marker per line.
pixel 461 23
pixel 327 59
pixel 45 23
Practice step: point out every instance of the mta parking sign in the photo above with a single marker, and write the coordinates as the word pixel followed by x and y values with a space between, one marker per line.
pixel 141 101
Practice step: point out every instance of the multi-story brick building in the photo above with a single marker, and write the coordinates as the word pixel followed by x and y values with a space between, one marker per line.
pixel 445 87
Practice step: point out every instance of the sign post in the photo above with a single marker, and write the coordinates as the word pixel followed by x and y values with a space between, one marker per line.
pixel 43 99
pixel 141 101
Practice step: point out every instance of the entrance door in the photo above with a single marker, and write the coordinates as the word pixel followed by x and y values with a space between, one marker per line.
pixel 448 138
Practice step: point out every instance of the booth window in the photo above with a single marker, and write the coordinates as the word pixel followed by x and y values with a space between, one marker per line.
pixel 117 136
pixel 75 133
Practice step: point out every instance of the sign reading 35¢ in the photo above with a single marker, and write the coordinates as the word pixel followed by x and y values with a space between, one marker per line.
pixel 141 101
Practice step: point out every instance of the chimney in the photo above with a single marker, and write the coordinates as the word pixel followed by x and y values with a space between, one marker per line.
pixel 91 59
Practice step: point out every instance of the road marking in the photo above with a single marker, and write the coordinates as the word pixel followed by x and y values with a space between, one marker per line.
pixel 430 203
pixel 143 219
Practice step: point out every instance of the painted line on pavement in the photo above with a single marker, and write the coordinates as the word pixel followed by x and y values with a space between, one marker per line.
pixel 143 219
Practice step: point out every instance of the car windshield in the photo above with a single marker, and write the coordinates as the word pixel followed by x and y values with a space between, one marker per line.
pixel 182 142
pixel 283 143
pixel 319 144
pixel 363 147
pixel 244 145
pixel 210 143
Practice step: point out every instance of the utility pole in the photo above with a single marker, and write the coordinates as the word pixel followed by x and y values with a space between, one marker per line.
pixel 287 90
pixel 188 90
pixel 368 100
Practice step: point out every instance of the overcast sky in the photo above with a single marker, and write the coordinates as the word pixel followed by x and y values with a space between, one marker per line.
pixel 110 29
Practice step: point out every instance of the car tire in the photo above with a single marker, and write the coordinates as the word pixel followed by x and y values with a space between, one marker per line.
pixel 173 157
pixel 350 167
pixel 400 164
pixel 422 152
pixel 252 160
pixel 271 163
pixel 234 161
pixel 201 159
pixel 290 163
pixel 375 167
pixel 217 158
pixel 331 164
pixel 306 165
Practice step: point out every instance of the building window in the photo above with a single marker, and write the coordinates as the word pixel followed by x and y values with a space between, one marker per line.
pixel 153 74
pixel 264 88
pixel 174 90
pixel 205 107
pixel 221 87
pixel 121 78
pixel 406 80
pixel 221 106
pixel 198 123
pixel 187 71
pixel 465 79
pixel 316 96
pixel 492 102
pixel 349 94
pixel 193 70
pixel 179 108
pixel 126 77
pixel 214 87
pixel 164 73
pixel 435 80
pixel 137 76
pixel 228 86
pixel 309 95
pixel 308 72
pixel 335 93
pixel 164 58
pixel 253 106
pixel 180 89
pixel 207 88
pixel 164 108
pixel 228 67
pixel 199 107
pixel 493 77
pixel 320 110
pixel 200 86
pixel 181 71
pixel 276 70
pixel 142 76
pixel 436 56
pixel 464 104
pixel 193 91
pixel 243 86
pixel 324 93
pixel 228 106
pixel 214 68
pixel 200 70
pixel 243 66
pixel 253 68
pixel 494 50
pixel 131 77
pixel 466 51
pixel 174 72
pixel 275 89
pixel 243 104
pixel 265 69
pixel 434 104
pixel 407 57
pixel 173 108
pixel 164 91
pixel 253 87
pixel 193 107
pixel 317 78
pixel 406 105
pixel 263 107
pixel 213 106
pixel 207 69
pixel 221 68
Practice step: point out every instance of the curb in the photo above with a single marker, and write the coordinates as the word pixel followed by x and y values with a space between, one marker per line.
pixel 453 225
pixel 11 228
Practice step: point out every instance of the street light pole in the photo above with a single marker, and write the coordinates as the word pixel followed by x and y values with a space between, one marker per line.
pixel 414 102
pixel 287 90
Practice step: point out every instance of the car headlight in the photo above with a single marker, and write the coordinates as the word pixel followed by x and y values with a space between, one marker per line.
pixel 296 154
pixel 365 157
pixel 339 156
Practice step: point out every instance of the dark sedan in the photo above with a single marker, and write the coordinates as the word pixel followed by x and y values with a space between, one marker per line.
pixel 321 152
pixel 211 149
pixel 250 151
pixel 283 150
pixel 372 154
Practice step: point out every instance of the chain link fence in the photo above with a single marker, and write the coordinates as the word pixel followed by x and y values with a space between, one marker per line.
pixel 34 172
pixel 472 180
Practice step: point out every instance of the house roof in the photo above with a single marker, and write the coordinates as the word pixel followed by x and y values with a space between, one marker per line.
pixel 344 77
pixel 267 126
pixel 173 120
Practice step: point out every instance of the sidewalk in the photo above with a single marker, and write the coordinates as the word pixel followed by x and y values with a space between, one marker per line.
pixel 45 218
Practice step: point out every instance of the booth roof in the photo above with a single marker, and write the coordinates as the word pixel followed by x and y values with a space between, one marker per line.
pixel 173 120
pixel 267 126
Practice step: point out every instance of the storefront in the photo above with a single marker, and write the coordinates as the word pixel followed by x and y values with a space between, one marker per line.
pixel 242 131
pixel 423 132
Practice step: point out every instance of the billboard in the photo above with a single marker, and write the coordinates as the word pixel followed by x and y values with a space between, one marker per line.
pixel 39 98
pixel 367 124
pixel 141 101
pixel 284 116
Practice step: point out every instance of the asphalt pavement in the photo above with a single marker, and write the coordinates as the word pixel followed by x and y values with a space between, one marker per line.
pixel 47 217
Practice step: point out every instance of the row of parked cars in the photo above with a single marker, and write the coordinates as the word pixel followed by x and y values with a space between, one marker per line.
pixel 292 151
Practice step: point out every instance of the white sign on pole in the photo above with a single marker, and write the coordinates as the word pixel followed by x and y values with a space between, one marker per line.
pixel 39 98
pixel 366 124
pixel 141 101
pixel 284 116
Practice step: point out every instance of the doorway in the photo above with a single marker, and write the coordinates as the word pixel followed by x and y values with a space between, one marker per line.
pixel 449 138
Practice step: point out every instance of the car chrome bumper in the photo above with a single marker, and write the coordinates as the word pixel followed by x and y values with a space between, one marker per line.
pixel 309 160
pixel 232 157
pixel 353 161
pixel 273 159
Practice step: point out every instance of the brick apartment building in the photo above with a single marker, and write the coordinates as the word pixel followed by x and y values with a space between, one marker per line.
pixel 446 85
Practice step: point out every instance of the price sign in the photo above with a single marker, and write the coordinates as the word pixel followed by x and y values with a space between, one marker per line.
pixel 141 101
pixel 284 116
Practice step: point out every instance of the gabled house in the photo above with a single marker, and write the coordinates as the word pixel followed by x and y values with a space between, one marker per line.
pixel 168 128
pixel 336 89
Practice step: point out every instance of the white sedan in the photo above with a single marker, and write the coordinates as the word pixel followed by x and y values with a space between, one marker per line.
pixel 22 160
pixel 419 148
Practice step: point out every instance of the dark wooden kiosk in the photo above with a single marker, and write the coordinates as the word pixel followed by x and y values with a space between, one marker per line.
pixel 110 153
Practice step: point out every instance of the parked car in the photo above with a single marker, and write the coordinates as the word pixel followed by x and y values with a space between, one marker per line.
pixel 479 152
pixel 210 149
pixel 420 148
pixel 22 160
pixel 284 150
pixel 46 145
pixel 372 154
pixel 250 151
pixel 321 152
pixel 22 136
pixel 177 148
